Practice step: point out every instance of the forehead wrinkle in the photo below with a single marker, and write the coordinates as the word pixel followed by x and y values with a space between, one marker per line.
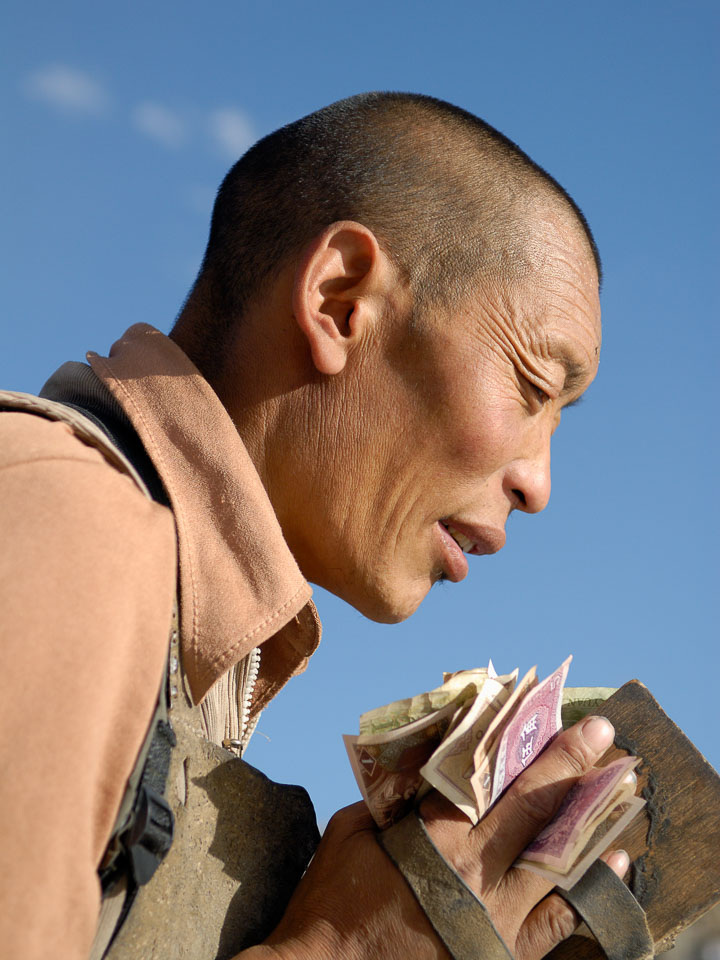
pixel 559 304
pixel 561 298
pixel 566 291
pixel 551 348
pixel 560 256
pixel 556 235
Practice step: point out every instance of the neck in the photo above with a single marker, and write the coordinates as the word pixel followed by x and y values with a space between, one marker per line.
pixel 265 381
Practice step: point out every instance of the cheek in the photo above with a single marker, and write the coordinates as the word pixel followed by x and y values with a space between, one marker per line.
pixel 481 441
pixel 481 411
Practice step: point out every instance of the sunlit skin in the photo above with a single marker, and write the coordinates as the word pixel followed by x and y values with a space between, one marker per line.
pixel 375 428
pixel 371 437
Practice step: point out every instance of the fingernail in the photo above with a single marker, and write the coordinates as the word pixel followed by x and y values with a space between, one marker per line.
pixel 598 732
pixel 619 861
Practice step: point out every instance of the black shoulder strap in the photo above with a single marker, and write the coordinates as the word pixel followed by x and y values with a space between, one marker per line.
pixel 121 433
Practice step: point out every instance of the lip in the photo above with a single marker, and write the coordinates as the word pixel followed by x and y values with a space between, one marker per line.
pixel 455 562
pixel 485 539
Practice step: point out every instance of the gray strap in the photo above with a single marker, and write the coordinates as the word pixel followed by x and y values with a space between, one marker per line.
pixel 110 910
pixel 614 916
pixel 456 914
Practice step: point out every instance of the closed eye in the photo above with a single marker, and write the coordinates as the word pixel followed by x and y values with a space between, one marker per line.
pixel 538 394
pixel 541 394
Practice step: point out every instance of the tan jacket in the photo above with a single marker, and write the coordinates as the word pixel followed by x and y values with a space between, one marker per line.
pixel 87 571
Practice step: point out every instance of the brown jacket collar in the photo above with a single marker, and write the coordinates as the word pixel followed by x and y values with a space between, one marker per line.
pixel 239 584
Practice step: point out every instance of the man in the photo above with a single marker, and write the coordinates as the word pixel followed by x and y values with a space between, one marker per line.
pixel 394 307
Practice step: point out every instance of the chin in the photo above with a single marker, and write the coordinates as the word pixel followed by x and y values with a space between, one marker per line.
pixel 390 603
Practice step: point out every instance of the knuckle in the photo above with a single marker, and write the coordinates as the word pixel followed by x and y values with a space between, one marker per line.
pixel 574 755
pixel 337 820
pixel 531 943
pixel 552 921
pixel 560 920
pixel 538 803
pixel 334 828
pixel 346 820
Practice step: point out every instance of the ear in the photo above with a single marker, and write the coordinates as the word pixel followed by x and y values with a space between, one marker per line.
pixel 335 291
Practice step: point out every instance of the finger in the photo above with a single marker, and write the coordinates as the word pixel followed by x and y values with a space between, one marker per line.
pixel 527 887
pixel 534 797
pixel 450 830
pixel 435 807
pixel 554 920
pixel 350 820
pixel 618 861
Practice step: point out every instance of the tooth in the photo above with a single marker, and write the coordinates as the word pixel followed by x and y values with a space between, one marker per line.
pixel 462 541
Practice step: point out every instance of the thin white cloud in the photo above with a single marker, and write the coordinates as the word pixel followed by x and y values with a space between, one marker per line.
pixel 67 89
pixel 160 123
pixel 231 130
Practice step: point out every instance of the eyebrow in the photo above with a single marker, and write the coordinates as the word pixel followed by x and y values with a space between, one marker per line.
pixel 575 374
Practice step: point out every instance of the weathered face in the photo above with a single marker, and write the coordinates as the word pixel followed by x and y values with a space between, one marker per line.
pixel 442 431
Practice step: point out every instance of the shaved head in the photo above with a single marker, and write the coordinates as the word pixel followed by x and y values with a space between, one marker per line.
pixel 450 199
pixel 395 305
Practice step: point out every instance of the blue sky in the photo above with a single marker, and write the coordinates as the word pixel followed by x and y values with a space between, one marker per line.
pixel 120 121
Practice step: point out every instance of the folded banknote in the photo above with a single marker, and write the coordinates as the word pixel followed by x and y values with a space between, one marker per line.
pixel 470 738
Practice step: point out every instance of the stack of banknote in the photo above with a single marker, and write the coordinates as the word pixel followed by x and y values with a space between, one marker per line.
pixel 470 738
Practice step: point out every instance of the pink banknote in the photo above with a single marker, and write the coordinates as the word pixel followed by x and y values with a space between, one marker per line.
pixel 536 721
pixel 555 845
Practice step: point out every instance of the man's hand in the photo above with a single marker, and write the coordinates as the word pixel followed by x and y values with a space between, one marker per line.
pixel 530 922
pixel 353 903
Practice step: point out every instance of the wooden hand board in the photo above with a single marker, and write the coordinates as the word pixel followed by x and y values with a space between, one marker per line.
pixel 674 843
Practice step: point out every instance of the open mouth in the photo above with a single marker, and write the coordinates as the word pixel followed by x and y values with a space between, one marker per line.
pixel 455 545
pixel 464 542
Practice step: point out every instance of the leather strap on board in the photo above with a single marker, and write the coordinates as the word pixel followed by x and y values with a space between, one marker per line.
pixel 616 919
pixel 456 914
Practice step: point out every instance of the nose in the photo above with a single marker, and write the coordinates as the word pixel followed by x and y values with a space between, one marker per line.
pixel 527 481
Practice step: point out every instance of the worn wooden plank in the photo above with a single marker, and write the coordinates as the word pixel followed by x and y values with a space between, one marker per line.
pixel 675 843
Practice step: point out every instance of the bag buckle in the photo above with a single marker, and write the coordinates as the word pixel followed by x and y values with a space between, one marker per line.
pixel 150 837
